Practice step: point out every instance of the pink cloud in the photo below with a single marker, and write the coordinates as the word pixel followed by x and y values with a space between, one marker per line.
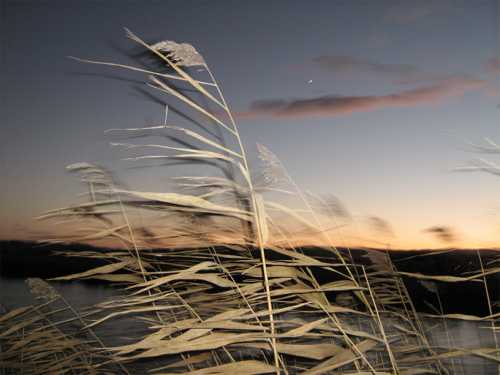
pixel 333 105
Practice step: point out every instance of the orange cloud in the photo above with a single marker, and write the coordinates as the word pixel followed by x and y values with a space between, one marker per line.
pixel 334 105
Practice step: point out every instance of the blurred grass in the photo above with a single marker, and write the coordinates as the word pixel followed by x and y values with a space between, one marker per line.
pixel 234 294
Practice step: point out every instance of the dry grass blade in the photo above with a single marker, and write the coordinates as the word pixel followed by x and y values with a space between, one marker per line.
pixel 443 278
pixel 129 67
pixel 169 90
pixel 187 201
pixel 249 367
pixel 205 140
pixel 212 275
pixel 103 270
pixel 341 359
pixel 174 66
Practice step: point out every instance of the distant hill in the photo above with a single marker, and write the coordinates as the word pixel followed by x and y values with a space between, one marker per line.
pixel 31 259
pixel 22 259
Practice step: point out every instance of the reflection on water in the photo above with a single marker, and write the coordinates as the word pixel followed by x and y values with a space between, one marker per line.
pixel 460 334
pixel 443 333
pixel 14 292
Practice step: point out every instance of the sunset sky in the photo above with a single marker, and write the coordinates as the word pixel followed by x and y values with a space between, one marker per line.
pixel 372 101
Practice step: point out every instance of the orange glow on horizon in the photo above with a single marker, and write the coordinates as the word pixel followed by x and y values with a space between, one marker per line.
pixel 344 237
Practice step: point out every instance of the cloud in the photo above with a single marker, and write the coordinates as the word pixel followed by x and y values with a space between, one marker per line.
pixel 410 12
pixel 335 105
pixel 442 233
pixel 353 64
pixel 402 73
pixel 380 226
pixel 330 206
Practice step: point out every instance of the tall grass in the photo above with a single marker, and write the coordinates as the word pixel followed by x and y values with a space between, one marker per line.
pixel 230 293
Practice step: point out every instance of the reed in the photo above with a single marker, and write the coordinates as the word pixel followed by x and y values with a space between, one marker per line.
pixel 227 291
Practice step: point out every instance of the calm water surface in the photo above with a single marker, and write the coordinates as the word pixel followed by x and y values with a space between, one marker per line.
pixel 14 293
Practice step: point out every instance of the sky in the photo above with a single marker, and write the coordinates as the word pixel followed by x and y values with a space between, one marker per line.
pixel 373 102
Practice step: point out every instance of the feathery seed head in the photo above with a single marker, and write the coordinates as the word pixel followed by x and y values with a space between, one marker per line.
pixel 272 169
pixel 182 53
pixel 41 289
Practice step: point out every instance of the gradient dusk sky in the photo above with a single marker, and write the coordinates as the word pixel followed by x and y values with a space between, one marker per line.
pixel 372 101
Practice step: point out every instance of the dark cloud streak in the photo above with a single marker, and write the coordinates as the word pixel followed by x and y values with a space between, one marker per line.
pixel 442 233
pixel 412 12
pixel 380 226
pixel 353 66
pixel 350 63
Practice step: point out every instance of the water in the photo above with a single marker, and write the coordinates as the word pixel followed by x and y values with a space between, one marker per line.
pixel 462 334
pixel 14 292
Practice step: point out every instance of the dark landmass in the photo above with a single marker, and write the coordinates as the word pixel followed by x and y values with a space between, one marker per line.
pixel 457 297
pixel 22 259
